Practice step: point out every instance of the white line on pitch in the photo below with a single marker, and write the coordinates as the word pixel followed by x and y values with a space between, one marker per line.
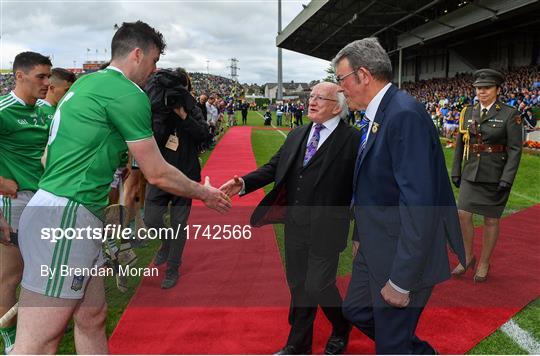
pixel 521 337
pixel 526 197
pixel 281 132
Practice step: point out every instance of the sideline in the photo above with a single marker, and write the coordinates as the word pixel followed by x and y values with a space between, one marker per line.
pixel 521 337
pixel 276 129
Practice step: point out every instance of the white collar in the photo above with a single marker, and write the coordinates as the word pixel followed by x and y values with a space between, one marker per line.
pixel 12 93
pixel 120 71
pixel 486 107
pixel 331 124
pixel 373 105
pixel 116 69
pixel 45 102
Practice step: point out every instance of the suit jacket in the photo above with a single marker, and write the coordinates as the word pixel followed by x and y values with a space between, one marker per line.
pixel 501 126
pixel 404 206
pixel 332 189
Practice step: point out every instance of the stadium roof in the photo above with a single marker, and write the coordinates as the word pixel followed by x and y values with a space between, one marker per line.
pixel 325 26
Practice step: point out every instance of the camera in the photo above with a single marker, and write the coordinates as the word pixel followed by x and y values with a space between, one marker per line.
pixel 179 97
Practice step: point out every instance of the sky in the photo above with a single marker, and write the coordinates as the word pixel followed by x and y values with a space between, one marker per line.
pixel 195 32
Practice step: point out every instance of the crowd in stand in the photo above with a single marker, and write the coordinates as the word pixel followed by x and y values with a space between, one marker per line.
pixel 445 97
pixel 7 83
pixel 208 83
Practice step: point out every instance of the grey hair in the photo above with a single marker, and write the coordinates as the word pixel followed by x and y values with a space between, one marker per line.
pixel 367 53
pixel 343 105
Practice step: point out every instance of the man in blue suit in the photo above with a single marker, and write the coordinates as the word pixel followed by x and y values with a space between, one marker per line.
pixel 403 204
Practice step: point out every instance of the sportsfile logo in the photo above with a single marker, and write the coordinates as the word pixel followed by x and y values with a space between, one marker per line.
pixel 112 231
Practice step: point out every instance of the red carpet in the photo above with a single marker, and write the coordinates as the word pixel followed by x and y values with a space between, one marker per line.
pixel 232 297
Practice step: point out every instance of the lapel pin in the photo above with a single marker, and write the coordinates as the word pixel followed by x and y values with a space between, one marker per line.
pixel 375 128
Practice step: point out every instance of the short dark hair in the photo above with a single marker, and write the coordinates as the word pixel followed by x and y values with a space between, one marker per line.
pixel 136 34
pixel 26 61
pixel 63 74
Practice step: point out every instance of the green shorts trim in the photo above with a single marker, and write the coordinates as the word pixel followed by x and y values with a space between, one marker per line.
pixel 61 250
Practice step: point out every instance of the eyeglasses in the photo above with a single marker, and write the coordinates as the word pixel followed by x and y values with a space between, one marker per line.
pixel 340 79
pixel 319 98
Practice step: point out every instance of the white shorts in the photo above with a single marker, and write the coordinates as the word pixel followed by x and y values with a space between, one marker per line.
pixel 62 268
pixel 13 208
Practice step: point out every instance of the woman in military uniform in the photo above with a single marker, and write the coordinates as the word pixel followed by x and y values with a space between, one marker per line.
pixel 486 161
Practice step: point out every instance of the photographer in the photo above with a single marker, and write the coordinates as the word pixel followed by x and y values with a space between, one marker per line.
pixel 180 130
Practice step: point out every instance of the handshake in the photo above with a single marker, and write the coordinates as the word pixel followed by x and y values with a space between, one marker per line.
pixel 220 199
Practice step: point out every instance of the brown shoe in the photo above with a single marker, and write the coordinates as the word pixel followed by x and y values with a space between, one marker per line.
pixel 459 270
pixel 479 278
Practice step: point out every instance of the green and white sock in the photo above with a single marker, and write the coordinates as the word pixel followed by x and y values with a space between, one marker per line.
pixel 8 334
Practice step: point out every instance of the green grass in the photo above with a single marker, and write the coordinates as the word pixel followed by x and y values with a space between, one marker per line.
pixel 498 343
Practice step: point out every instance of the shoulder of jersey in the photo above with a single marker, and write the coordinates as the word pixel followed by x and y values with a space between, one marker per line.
pixel 6 101
pixel 121 78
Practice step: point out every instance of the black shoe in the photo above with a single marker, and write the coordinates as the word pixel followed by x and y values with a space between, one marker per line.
pixel 291 350
pixel 160 258
pixel 336 345
pixel 171 278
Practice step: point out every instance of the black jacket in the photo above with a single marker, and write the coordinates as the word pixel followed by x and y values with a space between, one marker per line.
pixel 191 133
pixel 331 189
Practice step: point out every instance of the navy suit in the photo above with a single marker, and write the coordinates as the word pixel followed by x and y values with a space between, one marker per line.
pixel 405 215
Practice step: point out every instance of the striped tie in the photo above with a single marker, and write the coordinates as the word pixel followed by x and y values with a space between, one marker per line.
pixel 313 143
pixel 364 125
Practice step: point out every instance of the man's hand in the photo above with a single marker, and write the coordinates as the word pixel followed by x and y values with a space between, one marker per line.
pixel 393 297
pixel 233 186
pixel 8 187
pixel 4 231
pixel 355 246
pixel 215 198
pixel 503 186
pixel 181 112
pixel 456 181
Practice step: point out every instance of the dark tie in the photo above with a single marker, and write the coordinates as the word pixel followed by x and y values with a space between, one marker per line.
pixel 313 143
pixel 364 126
pixel 484 114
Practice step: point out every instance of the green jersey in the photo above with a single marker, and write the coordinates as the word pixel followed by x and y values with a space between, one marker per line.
pixel 46 108
pixel 93 121
pixel 23 136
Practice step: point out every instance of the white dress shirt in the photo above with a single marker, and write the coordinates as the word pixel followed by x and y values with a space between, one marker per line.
pixel 373 106
pixel 329 127
pixel 482 107
pixel 212 113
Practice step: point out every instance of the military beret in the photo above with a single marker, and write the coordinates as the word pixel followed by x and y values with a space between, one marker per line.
pixel 487 77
